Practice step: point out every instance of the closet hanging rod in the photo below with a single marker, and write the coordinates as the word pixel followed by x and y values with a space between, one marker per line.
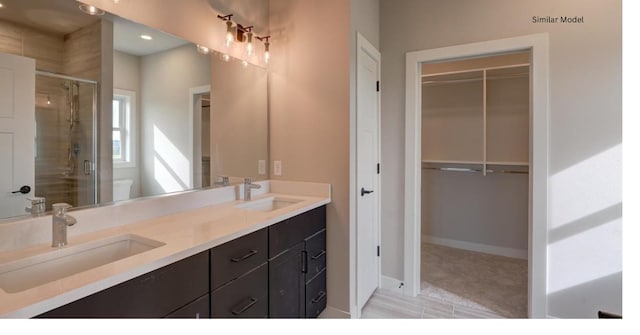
pixel 470 80
pixel 475 170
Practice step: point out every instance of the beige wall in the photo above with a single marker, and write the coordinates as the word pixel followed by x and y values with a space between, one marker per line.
pixel 584 228
pixel 309 114
pixel 239 120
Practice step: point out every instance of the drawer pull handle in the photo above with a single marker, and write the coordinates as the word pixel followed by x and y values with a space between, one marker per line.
pixel 319 297
pixel 304 261
pixel 238 311
pixel 249 254
pixel 320 254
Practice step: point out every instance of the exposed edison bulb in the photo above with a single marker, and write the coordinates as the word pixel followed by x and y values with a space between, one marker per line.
pixel 245 64
pixel 48 100
pixel 226 57
pixel 249 49
pixel 267 55
pixel 229 36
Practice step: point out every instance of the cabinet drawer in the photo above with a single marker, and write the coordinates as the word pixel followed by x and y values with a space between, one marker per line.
pixel 237 257
pixel 316 295
pixel 316 254
pixel 245 297
pixel 288 233
pixel 153 295
pixel 198 309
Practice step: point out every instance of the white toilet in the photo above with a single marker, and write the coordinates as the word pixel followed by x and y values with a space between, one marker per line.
pixel 122 189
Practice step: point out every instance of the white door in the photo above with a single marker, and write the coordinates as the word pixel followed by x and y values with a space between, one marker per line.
pixel 368 178
pixel 17 132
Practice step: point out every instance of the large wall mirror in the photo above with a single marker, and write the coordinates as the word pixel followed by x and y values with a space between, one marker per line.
pixel 124 111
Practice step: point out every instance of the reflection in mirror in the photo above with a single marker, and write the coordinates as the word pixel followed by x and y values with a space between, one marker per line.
pixel 177 119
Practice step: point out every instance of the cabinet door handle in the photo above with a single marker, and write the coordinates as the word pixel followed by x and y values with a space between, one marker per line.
pixel 303 259
pixel 240 310
pixel 320 254
pixel 321 295
pixel 252 252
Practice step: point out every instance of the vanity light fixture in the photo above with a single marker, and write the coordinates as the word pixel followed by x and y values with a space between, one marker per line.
pixel 228 39
pixel 91 10
pixel 48 100
pixel 267 54
pixel 202 49
pixel 249 47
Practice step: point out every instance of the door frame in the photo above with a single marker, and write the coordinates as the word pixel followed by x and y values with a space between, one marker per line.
pixel 196 133
pixel 538 156
pixel 364 46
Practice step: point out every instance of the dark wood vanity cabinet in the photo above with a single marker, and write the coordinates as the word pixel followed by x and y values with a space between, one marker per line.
pixel 277 272
pixel 239 277
pixel 297 266
pixel 157 294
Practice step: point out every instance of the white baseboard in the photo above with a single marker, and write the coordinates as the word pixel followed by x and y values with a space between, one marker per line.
pixel 333 313
pixel 391 284
pixel 488 249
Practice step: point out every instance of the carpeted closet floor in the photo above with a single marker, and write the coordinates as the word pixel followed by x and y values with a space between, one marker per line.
pixel 459 284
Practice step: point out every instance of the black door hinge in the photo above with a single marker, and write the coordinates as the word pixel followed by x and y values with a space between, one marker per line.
pixel 378 168
pixel 378 251
pixel 378 86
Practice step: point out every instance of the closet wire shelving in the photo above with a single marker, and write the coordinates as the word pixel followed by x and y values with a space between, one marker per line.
pixel 505 167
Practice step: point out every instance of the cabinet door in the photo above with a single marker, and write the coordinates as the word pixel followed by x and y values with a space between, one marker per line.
pixel 245 297
pixel 198 309
pixel 153 295
pixel 286 284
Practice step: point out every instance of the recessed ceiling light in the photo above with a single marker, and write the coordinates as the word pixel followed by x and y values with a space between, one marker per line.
pixel 91 10
pixel 146 37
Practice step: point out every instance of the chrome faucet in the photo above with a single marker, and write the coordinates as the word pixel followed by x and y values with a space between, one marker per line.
pixel 224 182
pixel 248 185
pixel 59 225
pixel 38 205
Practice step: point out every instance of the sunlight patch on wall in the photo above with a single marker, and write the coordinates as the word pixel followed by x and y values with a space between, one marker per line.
pixel 586 256
pixel 586 188
pixel 170 166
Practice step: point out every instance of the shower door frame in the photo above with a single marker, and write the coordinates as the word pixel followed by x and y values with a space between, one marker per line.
pixel 94 124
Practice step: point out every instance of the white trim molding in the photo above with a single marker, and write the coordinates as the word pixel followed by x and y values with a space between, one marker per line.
pixel 539 174
pixel 477 247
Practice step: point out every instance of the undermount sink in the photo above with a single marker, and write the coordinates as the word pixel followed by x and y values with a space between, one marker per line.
pixel 268 204
pixel 34 271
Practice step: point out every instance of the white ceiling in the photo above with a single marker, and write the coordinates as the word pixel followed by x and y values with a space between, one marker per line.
pixel 64 16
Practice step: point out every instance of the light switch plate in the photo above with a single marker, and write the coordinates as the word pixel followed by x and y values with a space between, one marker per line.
pixel 277 168
pixel 262 167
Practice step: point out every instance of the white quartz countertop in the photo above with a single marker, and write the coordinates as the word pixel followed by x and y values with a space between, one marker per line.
pixel 183 233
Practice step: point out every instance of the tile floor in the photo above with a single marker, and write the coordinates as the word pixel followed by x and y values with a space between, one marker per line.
pixel 434 301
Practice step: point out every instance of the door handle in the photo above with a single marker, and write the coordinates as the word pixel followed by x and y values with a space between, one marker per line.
pixel 252 252
pixel 363 192
pixel 24 190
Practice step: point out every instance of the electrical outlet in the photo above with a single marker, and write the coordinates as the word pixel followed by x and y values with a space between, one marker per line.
pixel 262 167
pixel 277 168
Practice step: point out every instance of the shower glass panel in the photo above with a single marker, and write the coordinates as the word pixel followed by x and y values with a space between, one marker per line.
pixel 65 142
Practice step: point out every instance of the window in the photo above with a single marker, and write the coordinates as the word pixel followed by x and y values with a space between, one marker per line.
pixel 124 133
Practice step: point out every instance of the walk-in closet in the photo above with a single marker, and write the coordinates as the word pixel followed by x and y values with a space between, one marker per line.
pixel 475 182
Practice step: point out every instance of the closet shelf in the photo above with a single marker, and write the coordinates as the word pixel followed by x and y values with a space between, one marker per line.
pixel 505 163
